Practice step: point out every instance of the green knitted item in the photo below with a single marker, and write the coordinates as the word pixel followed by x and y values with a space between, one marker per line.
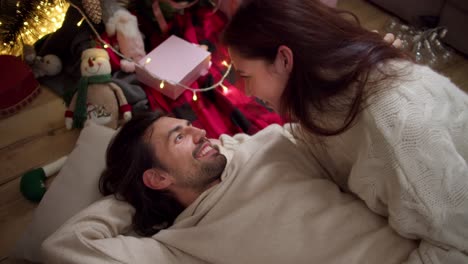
pixel 32 185
pixel 80 114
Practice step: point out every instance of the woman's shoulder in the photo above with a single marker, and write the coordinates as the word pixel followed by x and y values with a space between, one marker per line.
pixel 418 98
pixel 412 85
pixel 404 73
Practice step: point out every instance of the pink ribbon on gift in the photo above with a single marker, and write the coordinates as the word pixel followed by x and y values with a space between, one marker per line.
pixel 159 15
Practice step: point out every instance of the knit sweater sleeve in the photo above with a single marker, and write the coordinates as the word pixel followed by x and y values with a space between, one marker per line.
pixel 412 166
pixel 95 236
pixel 232 142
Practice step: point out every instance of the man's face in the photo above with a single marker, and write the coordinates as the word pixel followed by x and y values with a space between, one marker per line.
pixel 187 155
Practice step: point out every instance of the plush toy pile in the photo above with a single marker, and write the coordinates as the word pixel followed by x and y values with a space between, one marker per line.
pixel 134 28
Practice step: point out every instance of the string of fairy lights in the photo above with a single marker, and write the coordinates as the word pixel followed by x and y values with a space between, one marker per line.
pixel 194 91
pixel 142 67
pixel 49 17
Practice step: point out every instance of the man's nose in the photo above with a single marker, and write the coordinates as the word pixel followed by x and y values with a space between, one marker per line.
pixel 198 134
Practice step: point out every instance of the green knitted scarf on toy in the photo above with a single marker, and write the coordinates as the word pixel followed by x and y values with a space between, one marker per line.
pixel 80 114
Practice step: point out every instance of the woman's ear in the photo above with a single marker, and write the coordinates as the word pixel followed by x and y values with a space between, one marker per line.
pixel 284 60
pixel 157 179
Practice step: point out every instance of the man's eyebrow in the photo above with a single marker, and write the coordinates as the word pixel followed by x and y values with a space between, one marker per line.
pixel 172 131
pixel 176 129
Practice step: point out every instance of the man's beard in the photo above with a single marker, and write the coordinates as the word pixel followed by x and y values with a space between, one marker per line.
pixel 207 173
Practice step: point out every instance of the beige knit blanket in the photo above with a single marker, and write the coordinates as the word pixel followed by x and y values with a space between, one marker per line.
pixel 271 207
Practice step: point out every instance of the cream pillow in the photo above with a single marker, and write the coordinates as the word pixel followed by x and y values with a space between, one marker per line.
pixel 73 189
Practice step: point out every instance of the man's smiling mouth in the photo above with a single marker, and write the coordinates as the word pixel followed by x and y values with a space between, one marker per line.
pixel 97 70
pixel 204 150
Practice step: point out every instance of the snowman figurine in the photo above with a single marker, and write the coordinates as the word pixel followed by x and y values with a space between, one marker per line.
pixel 96 97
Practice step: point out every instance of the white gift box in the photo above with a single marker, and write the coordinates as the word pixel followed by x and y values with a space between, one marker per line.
pixel 173 61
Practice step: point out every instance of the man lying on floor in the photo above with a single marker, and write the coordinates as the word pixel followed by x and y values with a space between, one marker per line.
pixel 253 199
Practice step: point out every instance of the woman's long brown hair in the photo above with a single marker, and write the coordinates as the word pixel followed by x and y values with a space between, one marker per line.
pixel 333 58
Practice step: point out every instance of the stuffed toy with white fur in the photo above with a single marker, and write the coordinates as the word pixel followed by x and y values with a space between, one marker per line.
pixel 121 23
pixel 228 7
pixel 96 97
pixel 125 26
pixel 48 65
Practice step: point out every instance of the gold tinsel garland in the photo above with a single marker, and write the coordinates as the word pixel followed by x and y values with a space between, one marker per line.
pixel 25 22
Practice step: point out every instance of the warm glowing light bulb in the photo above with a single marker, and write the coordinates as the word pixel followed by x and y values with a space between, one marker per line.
pixel 225 63
pixel 81 21
pixel 148 60
pixel 195 96
pixel 225 89
pixel 161 85
pixel 105 46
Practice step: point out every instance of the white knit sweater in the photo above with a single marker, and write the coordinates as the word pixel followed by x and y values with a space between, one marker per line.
pixel 406 157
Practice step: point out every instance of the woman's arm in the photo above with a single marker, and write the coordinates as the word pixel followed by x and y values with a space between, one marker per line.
pixel 413 166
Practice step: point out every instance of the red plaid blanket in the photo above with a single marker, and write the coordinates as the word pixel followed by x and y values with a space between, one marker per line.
pixel 216 111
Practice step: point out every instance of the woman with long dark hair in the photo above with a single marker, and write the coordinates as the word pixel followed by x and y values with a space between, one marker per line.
pixel 392 132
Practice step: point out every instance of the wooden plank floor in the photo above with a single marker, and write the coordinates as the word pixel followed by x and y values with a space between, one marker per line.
pixel 29 139
pixel 36 136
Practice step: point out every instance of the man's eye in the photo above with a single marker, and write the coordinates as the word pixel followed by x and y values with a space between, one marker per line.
pixel 179 138
pixel 244 76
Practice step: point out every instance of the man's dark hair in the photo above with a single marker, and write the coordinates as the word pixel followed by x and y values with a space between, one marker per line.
pixel 128 156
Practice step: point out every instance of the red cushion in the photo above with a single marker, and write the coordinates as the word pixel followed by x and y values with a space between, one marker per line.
pixel 18 86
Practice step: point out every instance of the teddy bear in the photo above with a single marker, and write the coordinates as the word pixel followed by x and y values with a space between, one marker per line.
pixel 96 97
pixel 48 65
